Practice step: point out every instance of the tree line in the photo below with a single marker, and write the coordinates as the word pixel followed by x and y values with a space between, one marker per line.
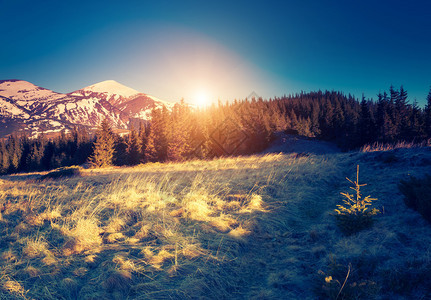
pixel 236 128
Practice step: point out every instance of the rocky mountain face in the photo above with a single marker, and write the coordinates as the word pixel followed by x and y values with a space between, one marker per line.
pixel 27 108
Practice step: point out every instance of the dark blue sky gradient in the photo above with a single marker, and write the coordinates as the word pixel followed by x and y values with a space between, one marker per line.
pixel 277 47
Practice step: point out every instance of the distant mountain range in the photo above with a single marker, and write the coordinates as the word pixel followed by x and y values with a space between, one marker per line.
pixel 27 108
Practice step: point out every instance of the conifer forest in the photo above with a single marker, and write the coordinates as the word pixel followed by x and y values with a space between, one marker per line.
pixel 225 129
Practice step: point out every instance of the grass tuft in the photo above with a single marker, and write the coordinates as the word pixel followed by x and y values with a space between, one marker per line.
pixel 14 287
pixel 85 235
pixel 63 172
pixel 118 281
pixel 35 248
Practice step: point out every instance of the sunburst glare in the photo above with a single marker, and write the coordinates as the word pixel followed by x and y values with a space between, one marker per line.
pixel 202 98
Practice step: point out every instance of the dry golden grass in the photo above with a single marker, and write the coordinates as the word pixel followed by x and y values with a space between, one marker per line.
pixel 230 228
pixel 14 288
pixel 84 235
pixel 9 256
pixel 35 247
pixel 391 146
pixel 153 221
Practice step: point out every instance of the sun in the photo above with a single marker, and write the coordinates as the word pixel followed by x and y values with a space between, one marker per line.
pixel 201 98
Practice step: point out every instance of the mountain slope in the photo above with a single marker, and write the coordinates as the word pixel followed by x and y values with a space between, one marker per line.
pixel 32 109
pixel 139 106
pixel 28 95
pixel 9 109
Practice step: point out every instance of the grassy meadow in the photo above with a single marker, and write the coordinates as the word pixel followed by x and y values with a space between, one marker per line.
pixel 254 227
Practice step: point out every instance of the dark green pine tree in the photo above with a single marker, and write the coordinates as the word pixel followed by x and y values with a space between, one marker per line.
pixel 83 143
pixel 293 122
pixel 304 126
pixel 339 119
pixel 103 149
pixel 395 111
pixel 366 123
pixel 388 130
pixel 179 133
pixel 120 156
pixel 142 140
pixel 393 94
pixel 25 143
pixel 157 144
pixel 328 120
pixel 15 153
pixel 132 150
pixel 199 140
pixel 162 139
pixel 427 116
pixel 36 154
pixel 151 154
pixel 401 101
pixel 48 155
pixel 4 158
pixel 417 129
pixel 315 129
pixel 403 109
pixel 380 115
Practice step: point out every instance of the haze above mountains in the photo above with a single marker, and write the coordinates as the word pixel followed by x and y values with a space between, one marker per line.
pixel 27 108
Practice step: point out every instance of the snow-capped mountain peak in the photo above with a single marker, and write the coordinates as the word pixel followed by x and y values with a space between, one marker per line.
pixel 111 88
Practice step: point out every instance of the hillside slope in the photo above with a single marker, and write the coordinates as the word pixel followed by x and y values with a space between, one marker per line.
pixel 258 227
pixel 287 143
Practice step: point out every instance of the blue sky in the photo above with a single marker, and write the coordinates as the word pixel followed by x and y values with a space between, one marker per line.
pixel 225 49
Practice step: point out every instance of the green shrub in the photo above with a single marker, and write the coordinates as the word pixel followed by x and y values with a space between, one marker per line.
pixel 417 194
pixel 63 172
pixel 354 215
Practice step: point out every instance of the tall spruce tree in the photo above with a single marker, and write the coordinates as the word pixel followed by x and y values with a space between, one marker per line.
pixel 380 115
pixel 142 140
pixel 132 150
pixel 403 109
pixel 35 157
pixel 104 146
pixel 4 158
pixel 150 152
pixel 179 134
pixel 315 129
pixel 366 123
pixel 417 129
pixel 328 120
pixel 157 144
pixel 15 150
pixel 428 115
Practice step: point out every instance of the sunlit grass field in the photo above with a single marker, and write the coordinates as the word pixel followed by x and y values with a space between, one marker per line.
pixel 257 227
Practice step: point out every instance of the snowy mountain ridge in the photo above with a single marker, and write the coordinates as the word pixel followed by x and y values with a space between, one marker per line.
pixel 25 107
pixel 21 90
